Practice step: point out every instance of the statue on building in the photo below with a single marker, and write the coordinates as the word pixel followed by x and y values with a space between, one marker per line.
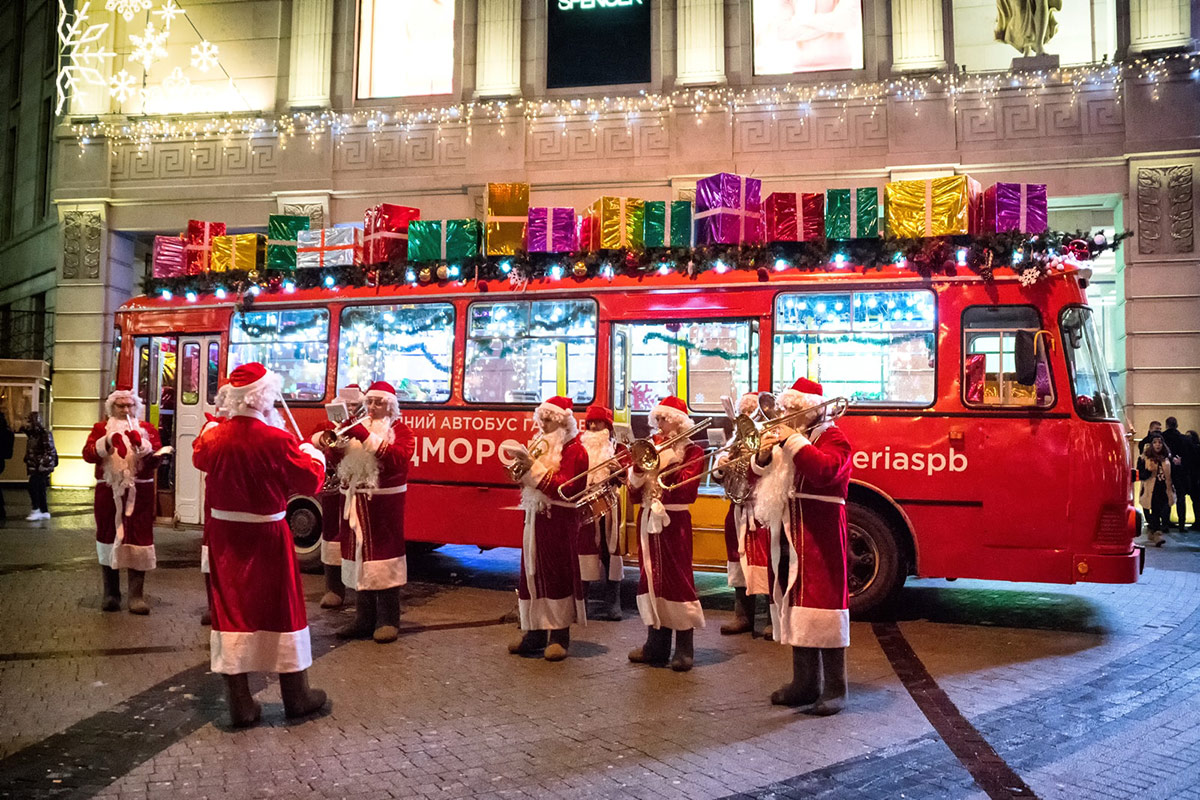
pixel 1026 24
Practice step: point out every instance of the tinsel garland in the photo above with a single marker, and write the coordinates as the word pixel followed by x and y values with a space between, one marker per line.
pixel 675 341
pixel 1031 256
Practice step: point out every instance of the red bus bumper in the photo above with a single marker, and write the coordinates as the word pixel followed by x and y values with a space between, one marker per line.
pixel 1124 568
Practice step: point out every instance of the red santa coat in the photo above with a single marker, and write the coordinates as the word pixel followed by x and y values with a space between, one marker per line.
pixel 124 495
pixel 809 605
pixel 602 535
pixel 208 426
pixel 374 483
pixel 258 619
pixel 550 594
pixel 667 588
pixel 747 545
pixel 332 502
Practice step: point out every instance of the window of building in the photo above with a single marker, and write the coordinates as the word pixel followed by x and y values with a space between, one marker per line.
pixel 293 342
pixel 114 365
pixel 792 37
pixel 405 48
pixel 41 200
pixel 1085 32
pixel 409 346
pixel 1095 396
pixel 698 362
pixel 580 35
pixel 871 347
pixel 1004 357
pixel 524 352
pixel 8 215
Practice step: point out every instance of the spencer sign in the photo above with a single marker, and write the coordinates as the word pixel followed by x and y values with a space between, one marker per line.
pixel 597 43
pixel 586 5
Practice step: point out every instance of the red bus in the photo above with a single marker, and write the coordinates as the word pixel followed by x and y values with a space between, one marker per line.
pixel 988 437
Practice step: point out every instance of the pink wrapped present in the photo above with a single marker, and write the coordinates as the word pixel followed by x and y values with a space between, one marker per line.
pixel 168 259
pixel 551 230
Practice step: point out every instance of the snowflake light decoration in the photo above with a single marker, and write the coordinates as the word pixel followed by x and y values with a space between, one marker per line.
pixel 204 56
pixel 1030 276
pixel 149 47
pixel 176 84
pixel 121 86
pixel 127 8
pixel 167 12
pixel 82 54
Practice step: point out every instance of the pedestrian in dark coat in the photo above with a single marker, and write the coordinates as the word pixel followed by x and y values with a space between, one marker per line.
pixel 41 458
pixel 1181 467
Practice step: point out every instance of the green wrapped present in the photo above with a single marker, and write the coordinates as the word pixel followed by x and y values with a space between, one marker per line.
pixel 443 240
pixel 281 239
pixel 668 224
pixel 852 213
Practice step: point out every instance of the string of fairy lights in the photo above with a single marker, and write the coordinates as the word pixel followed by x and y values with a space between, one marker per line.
pixel 786 100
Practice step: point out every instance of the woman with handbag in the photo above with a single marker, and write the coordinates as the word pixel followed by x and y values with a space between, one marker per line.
pixel 40 460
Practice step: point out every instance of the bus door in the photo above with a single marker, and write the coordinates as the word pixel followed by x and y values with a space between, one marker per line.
pixel 198 377
pixel 698 361
pixel 154 380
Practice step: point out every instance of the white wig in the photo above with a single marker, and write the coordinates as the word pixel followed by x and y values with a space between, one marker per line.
pixel 260 396
pixel 547 411
pixel 124 394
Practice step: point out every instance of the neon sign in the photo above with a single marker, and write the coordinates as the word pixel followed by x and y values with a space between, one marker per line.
pixel 588 5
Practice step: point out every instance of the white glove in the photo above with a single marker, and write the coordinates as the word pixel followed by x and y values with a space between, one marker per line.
pixel 312 452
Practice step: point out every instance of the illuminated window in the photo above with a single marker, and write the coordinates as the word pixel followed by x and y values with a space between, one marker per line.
pixel 696 361
pixel 791 37
pixel 294 343
pixel 1004 358
pixel 189 374
pixel 1095 395
pixel 870 347
pixel 409 346
pixel 1085 32
pixel 525 352
pixel 405 48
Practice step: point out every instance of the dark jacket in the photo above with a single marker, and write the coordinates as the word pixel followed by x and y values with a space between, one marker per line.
pixel 1177 442
pixel 40 455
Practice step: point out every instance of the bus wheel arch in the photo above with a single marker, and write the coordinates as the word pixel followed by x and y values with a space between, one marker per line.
pixel 304 521
pixel 880 550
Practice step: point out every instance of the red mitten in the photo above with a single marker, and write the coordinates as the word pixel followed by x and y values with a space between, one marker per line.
pixel 118 443
pixel 359 432
pixel 211 418
pixel 135 438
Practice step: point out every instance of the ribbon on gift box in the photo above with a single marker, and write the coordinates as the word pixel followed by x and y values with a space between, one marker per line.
pixel 198 250
pixel 322 248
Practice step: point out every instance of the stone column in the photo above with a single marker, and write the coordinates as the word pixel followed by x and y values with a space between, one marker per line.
pixel 311 57
pixel 498 48
pixel 700 41
pixel 1159 24
pixel 917 37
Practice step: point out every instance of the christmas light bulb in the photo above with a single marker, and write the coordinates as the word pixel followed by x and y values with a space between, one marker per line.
pixel 329 281
pixel 839 259
pixel 962 256
pixel 190 297
pixel 505 267
pixel 665 270
pixel 781 265
pixel 289 286
pixel 255 290
pixel 410 276
pixel 220 292
pixel 166 294
pixel 454 271
pixel 720 266
pixel 556 272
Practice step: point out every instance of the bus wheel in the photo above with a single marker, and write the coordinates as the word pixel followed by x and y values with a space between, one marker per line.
pixel 874 561
pixel 304 521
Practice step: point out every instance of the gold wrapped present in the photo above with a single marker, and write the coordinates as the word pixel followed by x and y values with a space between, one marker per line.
pixel 611 223
pixel 245 251
pixel 507 214
pixel 934 207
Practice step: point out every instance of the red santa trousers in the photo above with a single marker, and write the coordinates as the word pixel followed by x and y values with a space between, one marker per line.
pixel 136 549
pixel 332 506
pixel 550 594
pixel 372 539
pixel 747 550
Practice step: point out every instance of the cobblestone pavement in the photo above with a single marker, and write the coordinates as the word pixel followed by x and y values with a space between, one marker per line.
pixel 977 689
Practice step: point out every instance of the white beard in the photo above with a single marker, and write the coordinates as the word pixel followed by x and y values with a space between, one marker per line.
pixel 599 448
pixel 120 472
pixel 531 498
pixel 673 454
pixel 359 468
pixel 273 418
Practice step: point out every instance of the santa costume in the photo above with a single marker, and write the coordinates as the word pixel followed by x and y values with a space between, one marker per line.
pixel 332 503
pixel 123 450
pixel 667 599
pixel 210 424
pixel 599 543
pixel 550 594
pixel 802 492
pixel 747 543
pixel 259 623
pixel 374 476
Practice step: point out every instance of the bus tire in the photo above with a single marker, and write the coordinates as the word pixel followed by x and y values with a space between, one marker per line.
pixel 875 560
pixel 304 521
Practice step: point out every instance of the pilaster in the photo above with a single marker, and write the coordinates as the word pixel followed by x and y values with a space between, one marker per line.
pixel 700 42
pixel 311 54
pixel 498 48
pixel 918 42
pixel 1159 24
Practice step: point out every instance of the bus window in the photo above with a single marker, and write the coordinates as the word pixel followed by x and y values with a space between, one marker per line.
pixel 618 372
pixel 872 347
pixel 293 342
pixel 1004 360
pixel 212 377
pixel 525 351
pixel 409 346
pixel 697 361
pixel 1095 396
pixel 114 367
pixel 189 374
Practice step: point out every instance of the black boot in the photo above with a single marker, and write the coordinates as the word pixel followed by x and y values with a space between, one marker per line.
pixel 684 656
pixel 112 589
pixel 137 588
pixel 244 711
pixel 805 686
pixel 532 643
pixel 560 641
pixel 611 610
pixel 833 694
pixel 387 615
pixel 363 626
pixel 656 650
pixel 298 699
pixel 743 613
pixel 335 590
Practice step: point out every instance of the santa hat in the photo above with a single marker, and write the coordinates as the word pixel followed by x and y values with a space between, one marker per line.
pixel 803 394
pixel 748 403
pixel 127 395
pixel 598 413
pixel 254 386
pixel 386 391
pixel 669 409
pixel 558 409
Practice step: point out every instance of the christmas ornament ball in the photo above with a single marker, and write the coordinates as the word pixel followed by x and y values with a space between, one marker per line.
pixel 443 272
pixel 425 275
pixel 579 270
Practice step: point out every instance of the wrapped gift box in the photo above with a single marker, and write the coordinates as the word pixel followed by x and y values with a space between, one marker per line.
pixel 668 224
pixel 281 239
pixel 329 247
pixel 794 218
pixel 507 215
pixel 198 243
pixel 614 222
pixel 933 207
pixel 242 251
pixel 1015 207
pixel 168 259
pixel 852 213
pixel 552 230
pixel 729 210
pixel 444 240
pixel 385 238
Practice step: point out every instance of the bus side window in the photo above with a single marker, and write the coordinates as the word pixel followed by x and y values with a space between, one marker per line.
pixel 292 342
pixel 1005 362
pixel 189 374
pixel 411 346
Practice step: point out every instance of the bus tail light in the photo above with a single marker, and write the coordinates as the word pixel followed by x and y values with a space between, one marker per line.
pixel 1116 528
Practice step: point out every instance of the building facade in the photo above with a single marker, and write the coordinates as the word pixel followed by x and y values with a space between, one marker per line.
pixel 326 107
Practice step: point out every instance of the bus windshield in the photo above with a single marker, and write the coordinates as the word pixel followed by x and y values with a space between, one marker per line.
pixel 1095 396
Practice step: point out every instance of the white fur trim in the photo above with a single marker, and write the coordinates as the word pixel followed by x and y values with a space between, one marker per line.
pixel 235 652
pixel 261 395
pixel 734 575
pixel 331 553
pixel 590 568
pixel 127 556
pixel 678 616
pixel 811 627
pixel 102 448
pixel 375 575
pixel 794 444
pixel 792 400
pixel 551 411
pixel 757 581
pixel 204 567
pixel 544 614
pixel 312 452
pixel 661 412
pixel 534 476
pixel 747 404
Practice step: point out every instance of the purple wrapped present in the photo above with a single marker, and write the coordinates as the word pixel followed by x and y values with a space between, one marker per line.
pixel 1015 207
pixel 551 230
pixel 729 210
pixel 168 260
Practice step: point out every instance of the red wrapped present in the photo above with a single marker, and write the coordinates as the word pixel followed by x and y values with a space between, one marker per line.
pixel 198 244
pixel 794 220
pixel 385 240
pixel 168 260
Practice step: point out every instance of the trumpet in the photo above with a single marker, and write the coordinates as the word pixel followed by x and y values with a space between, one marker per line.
pixel 536 448
pixel 337 437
